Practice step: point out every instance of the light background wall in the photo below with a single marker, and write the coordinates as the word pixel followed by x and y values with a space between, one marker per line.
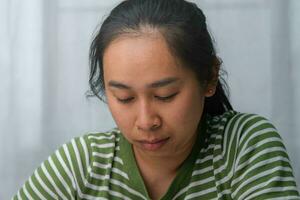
pixel 44 73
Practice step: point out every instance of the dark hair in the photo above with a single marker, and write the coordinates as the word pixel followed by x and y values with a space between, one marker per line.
pixel 182 24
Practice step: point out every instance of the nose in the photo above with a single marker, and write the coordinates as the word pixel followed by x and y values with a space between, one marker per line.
pixel 148 118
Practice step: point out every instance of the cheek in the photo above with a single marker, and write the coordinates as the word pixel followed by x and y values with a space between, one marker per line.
pixel 189 111
pixel 121 116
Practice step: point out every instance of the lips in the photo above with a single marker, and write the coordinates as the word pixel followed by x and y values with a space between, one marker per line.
pixel 154 144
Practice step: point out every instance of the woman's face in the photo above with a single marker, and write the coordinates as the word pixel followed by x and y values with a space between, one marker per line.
pixel 155 101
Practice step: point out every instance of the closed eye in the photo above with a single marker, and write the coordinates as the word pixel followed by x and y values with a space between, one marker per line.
pixel 126 100
pixel 166 98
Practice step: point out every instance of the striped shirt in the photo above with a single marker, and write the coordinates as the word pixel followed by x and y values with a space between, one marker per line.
pixel 236 156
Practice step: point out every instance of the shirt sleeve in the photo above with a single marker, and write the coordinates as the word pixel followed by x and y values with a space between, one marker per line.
pixel 262 167
pixel 61 176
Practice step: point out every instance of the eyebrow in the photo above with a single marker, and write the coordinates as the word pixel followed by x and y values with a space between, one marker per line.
pixel 163 82
pixel 156 84
pixel 118 85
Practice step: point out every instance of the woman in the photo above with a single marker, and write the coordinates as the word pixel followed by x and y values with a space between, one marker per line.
pixel 177 138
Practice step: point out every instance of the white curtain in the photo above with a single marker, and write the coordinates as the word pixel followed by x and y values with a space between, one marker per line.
pixel 43 80
pixel 20 80
pixel 44 72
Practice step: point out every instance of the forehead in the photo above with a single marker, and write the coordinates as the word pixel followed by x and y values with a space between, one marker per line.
pixel 144 58
pixel 139 48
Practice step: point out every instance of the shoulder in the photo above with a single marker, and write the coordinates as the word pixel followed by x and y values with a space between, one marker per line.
pixel 242 139
pixel 242 133
pixel 108 139
pixel 236 119
pixel 246 133
pixel 100 143
pixel 90 153
pixel 92 141
pixel 82 151
pixel 243 126
pixel 255 156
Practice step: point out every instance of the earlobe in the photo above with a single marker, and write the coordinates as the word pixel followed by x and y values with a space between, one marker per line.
pixel 210 92
pixel 212 84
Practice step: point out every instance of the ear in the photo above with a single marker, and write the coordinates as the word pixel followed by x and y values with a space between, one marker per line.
pixel 211 86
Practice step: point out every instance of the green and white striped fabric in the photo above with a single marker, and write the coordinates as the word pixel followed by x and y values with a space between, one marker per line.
pixel 238 156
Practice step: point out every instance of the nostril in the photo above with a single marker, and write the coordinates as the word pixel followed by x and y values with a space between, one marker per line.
pixel 147 117
pixel 155 126
pixel 149 125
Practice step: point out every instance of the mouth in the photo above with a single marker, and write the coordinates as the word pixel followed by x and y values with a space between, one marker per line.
pixel 153 145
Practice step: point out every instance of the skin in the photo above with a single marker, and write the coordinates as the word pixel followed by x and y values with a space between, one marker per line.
pixel 146 85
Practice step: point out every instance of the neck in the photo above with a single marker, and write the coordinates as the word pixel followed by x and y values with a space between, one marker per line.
pixel 153 166
pixel 161 164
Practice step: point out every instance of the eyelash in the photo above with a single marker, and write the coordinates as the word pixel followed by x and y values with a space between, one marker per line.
pixel 127 100
pixel 166 98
